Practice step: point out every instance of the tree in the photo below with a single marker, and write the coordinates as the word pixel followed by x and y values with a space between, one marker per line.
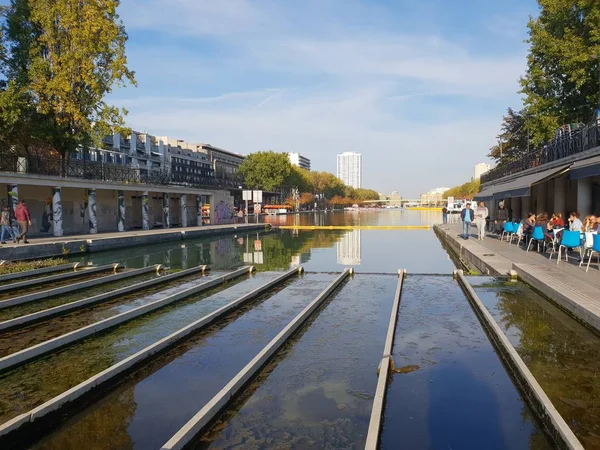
pixel 467 190
pixel 366 194
pixel 513 138
pixel 266 170
pixel 68 55
pixel 561 83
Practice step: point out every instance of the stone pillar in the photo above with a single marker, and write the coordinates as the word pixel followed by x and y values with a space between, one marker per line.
pixel 166 218
pixel 199 210
pixel 584 196
pixel 525 207
pixel 516 207
pixel 145 211
pixel 183 205
pixel 121 211
pixel 57 211
pixel 540 195
pixel 13 196
pixel 92 219
pixel 560 196
pixel 12 191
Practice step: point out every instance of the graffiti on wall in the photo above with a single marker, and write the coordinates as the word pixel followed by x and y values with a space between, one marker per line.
pixel 223 213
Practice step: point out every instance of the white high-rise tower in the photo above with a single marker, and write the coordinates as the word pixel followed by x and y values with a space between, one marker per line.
pixel 349 169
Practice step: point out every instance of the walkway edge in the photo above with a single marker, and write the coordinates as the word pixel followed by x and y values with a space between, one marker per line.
pixel 51 345
pixel 536 396
pixel 63 289
pixel 34 272
pixel 384 371
pixel 82 388
pixel 220 401
pixel 68 307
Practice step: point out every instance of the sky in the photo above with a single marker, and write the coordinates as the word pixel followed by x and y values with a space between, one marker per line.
pixel 418 87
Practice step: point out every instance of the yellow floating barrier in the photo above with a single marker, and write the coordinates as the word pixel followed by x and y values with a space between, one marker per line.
pixel 356 227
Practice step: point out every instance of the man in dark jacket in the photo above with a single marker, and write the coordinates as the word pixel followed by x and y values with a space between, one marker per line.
pixel 24 219
pixel 467 215
pixel 501 218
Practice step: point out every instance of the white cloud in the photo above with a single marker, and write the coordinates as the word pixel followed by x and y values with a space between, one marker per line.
pixel 420 106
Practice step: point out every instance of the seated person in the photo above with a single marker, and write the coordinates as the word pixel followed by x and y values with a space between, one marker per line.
pixel 529 223
pixel 575 223
pixel 557 221
pixel 590 223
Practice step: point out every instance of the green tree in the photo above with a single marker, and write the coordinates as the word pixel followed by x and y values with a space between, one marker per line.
pixel 561 83
pixel 513 140
pixel 467 190
pixel 68 55
pixel 366 194
pixel 266 170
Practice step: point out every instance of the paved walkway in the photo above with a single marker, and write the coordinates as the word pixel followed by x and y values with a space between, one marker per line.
pixel 55 246
pixel 565 283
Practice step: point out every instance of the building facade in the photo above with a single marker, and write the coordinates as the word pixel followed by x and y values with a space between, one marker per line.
pixel 480 169
pixel 349 169
pixel 434 197
pixel 298 160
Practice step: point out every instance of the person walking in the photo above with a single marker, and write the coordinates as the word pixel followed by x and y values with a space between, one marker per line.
pixel 467 217
pixel 6 228
pixel 481 213
pixel 24 219
pixel 445 215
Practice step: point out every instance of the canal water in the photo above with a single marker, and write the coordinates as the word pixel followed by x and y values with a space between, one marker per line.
pixel 368 251
pixel 449 388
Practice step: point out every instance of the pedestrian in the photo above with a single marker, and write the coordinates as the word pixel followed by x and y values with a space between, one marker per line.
pixel 501 218
pixel 240 215
pixel 445 214
pixel 24 219
pixel 6 228
pixel 481 213
pixel 467 216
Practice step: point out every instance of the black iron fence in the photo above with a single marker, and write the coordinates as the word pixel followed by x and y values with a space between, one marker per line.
pixel 100 171
pixel 569 144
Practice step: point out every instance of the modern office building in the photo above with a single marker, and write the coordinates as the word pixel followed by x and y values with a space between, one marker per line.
pixel 297 159
pixel 480 169
pixel 349 169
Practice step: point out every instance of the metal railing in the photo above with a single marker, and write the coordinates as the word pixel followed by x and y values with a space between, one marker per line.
pixel 100 171
pixel 577 141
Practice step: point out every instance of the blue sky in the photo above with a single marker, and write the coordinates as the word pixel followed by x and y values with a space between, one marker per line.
pixel 418 87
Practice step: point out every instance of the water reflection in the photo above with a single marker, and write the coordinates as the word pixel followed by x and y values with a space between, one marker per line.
pixel 460 396
pixel 348 249
pixel 418 251
pixel 562 354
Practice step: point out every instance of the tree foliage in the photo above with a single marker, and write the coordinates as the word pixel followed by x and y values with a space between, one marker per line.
pixel 61 59
pixel 273 171
pixel 561 83
pixel 467 190
pixel 266 170
pixel 513 141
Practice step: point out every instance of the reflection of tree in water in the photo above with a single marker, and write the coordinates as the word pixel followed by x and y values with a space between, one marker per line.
pixel 103 426
pixel 563 356
pixel 35 383
pixel 279 248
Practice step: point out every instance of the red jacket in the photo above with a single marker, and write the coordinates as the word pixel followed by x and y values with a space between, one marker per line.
pixel 22 213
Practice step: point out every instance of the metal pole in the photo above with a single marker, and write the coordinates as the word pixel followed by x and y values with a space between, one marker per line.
pixel 246 212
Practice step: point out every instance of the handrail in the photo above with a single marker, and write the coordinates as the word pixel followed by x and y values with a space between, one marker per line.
pixel 569 144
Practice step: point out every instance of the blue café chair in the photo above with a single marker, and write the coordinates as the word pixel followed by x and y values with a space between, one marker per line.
pixel 538 236
pixel 507 231
pixel 594 249
pixel 570 240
